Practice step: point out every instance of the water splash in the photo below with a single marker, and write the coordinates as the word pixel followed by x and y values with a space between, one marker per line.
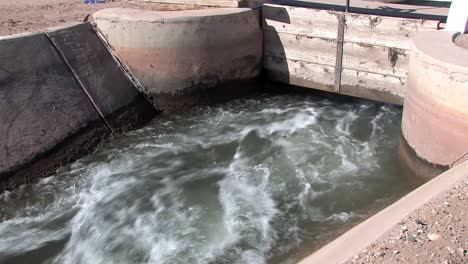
pixel 253 181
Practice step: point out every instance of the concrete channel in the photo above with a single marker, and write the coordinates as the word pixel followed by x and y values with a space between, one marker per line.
pixel 65 89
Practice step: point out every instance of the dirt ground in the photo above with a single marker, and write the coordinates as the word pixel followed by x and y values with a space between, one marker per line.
pixel 17 16
pixel 462 41
pixel 435 233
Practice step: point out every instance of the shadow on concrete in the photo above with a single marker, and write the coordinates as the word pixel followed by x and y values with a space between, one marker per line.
pixel 271 38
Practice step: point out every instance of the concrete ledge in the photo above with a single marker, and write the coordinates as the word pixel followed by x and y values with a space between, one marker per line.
pixel 358 238
pixel 436 105
pixel 178 57
pixel 47 119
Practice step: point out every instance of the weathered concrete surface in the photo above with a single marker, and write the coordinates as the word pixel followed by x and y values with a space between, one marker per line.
pixel 436 105
pixel 41 104
pixel 301 49
pixel 122 105
pixel 179 57
pixel 345 247
pixel 46 118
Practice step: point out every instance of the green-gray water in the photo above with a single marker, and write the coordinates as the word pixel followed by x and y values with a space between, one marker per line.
pixel 264 180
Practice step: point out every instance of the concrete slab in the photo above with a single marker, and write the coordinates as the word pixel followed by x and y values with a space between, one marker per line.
pixel 41 102
pixel 101 76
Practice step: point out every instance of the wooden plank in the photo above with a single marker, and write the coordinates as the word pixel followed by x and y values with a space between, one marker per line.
pixel 296 47
pixel 360 28
pixel 385 31
pixel 373 86
pixel 300 73
pixel 375 59
pixel 300 21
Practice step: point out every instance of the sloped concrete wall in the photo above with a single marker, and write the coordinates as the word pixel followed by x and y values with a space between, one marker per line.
pixel 301 49
pixel 435 113
pixel 46 117
pixel 115 96
pixel 186 58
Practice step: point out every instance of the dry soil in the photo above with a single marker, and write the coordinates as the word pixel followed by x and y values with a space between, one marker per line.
pixel 435 233
pixel 17 16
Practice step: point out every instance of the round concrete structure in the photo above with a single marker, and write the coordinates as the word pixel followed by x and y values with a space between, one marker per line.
pixel 184 57
pixel 435 113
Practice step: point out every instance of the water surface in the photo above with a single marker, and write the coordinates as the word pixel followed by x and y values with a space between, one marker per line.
pixel 263 180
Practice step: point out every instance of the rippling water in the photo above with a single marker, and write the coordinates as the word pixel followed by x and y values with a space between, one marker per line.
pixel 263 180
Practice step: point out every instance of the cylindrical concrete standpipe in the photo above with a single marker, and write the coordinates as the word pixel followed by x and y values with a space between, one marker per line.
pixel 183 58
pixel 435 113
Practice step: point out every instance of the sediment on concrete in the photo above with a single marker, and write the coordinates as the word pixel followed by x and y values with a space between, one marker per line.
pixel 180 58
pixel 58 101
pixel 302 47
pixel 351 243
pixel 435 112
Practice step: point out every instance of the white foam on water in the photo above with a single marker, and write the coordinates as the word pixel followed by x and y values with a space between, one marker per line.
pixel 239 183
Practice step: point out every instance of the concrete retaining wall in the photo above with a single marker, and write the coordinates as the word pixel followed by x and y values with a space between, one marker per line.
pixel 182 57
pixel 46 117
pixel 435 113
pixel 301 49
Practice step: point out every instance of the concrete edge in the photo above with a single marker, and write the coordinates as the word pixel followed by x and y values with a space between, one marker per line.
pixel 442 50
pixel 361 236
pixel 149 16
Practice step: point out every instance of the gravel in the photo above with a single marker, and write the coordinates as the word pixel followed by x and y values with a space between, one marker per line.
pixel 435 233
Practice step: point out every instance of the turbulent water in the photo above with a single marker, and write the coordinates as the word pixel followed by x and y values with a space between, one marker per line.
pixel 262 180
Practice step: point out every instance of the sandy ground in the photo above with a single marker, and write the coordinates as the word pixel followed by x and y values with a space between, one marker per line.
pixel 462 41
pixel 18 16
pixel 435 233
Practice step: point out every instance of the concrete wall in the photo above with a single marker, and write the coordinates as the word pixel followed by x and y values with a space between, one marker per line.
pixel 184 58
pixel 435 113
pixel 46 116
pixel 301 49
